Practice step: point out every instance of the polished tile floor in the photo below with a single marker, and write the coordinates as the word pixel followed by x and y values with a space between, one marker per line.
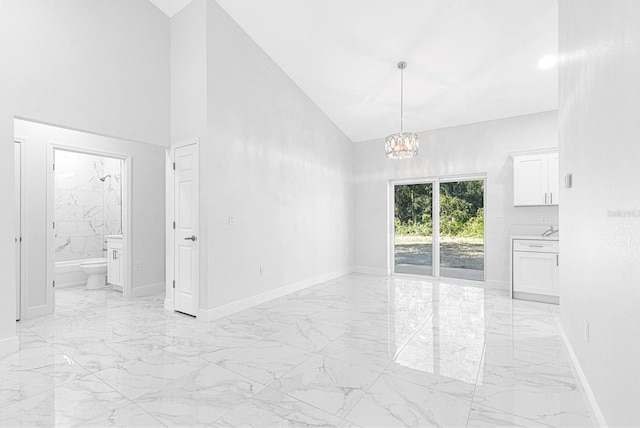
pixel 356 351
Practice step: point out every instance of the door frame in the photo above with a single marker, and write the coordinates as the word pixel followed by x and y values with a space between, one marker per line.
pixel 22 272
pixel 435 181
pixel 126 213
pixel 169 301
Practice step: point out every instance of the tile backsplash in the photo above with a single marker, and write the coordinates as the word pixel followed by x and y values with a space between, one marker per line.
pixel 86 209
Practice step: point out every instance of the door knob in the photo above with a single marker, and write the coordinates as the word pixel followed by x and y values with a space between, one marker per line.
pixel 190 238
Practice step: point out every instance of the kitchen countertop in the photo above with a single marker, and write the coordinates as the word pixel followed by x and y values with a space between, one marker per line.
pixel 537 237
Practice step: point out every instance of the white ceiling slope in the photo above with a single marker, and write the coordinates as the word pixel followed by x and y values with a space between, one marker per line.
pixel 468 60
pixel 170 7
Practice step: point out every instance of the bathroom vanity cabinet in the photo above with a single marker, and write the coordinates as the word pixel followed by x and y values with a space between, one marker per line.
pixel 115 261
pixel 535 264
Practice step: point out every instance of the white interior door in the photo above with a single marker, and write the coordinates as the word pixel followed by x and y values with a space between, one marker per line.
pixel 18 225
pixel 186 250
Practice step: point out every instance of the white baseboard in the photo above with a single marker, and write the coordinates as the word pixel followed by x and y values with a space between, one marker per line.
pixel 148 289
pixel 497 284
pixel 591 398
pixel 371 270
pixel 9 346
pixel 246 303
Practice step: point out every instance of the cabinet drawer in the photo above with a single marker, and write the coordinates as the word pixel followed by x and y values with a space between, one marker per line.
pixel 537 246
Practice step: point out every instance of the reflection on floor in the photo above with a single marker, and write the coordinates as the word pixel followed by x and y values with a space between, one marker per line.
pixel 445 272
pixel 356 351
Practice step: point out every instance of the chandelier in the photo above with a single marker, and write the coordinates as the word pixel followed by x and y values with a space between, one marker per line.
pixel 402 145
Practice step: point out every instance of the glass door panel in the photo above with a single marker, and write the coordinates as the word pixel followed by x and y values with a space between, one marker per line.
pixel 462 229
pixel 413 228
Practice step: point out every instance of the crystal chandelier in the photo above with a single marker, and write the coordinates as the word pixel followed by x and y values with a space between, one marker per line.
pixel 402 145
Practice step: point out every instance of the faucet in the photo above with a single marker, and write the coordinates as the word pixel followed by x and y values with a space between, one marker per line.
pixel 549 232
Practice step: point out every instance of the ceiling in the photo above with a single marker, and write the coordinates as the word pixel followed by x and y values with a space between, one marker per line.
pixel 468 60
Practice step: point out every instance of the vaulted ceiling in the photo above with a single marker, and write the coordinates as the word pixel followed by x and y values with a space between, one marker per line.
pixel 468 60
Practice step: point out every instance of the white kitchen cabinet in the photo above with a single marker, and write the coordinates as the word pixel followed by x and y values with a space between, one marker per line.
pixel 115 262
pixel 536 179
pixel 535 265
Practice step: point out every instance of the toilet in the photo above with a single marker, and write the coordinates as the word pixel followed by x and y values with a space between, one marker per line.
pixel 97 271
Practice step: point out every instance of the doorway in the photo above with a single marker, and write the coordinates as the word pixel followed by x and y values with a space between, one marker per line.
pixel 17 151
pixel 87 207
pixel 438 227
pixel 183 247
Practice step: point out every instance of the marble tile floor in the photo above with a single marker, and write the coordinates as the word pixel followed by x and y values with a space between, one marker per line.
pixel 357 351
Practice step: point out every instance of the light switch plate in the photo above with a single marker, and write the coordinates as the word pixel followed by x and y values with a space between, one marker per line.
pixel 568 181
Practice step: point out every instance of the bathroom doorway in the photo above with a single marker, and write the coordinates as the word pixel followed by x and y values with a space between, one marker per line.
pixel 87 206
pixel 87 217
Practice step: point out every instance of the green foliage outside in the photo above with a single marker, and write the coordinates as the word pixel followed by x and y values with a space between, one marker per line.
pixel 461 209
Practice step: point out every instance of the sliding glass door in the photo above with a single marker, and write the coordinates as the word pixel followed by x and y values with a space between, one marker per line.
pixel 413 226
pixel 439 234
pixel 462 229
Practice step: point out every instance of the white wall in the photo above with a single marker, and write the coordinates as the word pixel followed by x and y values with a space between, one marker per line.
pixel 147 209
pixel 470 149
pixel 99 65
pixel 599 130
pixel 189 106
pixel 271 159
pixel 278 165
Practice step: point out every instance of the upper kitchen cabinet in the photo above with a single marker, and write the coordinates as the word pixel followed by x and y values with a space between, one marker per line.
pixel 536 179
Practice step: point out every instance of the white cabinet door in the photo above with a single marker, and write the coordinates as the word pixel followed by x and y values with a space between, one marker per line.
pixel 120 258
pixel 554 179
pixel 535 273
pixel 530 179
pixel 114 267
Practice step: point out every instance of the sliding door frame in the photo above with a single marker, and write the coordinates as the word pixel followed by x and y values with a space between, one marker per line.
pixel 435 219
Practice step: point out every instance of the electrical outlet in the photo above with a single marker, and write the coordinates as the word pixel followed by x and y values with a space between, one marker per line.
pixel 586 331
pixel 500 219
pixel 261 270
pixel 232 220
pixel 505 262
pixel 138 265
pixel 543 219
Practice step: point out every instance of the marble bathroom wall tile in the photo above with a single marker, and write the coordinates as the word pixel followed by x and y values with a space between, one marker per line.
pixel 265 361
pixel 271 408
pixel 66 212
pixel 85 402
pixel 392 403
pixel 113 228
pixel 329 384
pixel 199 398
pixel 87 197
